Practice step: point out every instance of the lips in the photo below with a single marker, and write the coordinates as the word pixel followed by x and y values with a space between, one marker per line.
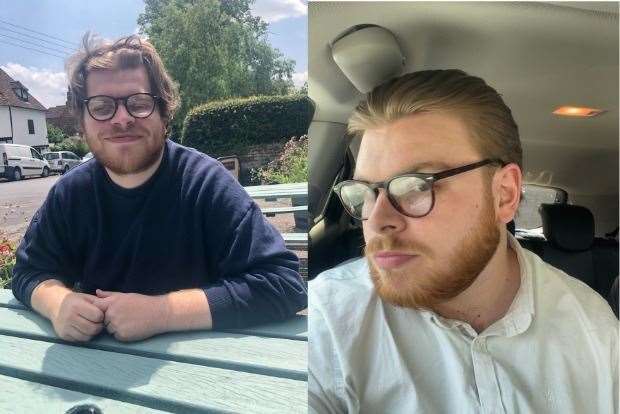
pixel 392 260
pixel 123 138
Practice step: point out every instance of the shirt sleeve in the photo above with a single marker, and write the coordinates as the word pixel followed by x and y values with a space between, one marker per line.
pixel 259 277
pixel 42 252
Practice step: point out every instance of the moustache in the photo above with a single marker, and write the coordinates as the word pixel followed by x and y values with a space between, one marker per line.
pixel 387 243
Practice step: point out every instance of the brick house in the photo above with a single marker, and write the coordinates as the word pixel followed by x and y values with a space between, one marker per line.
pixel 61 117
pixel 22 117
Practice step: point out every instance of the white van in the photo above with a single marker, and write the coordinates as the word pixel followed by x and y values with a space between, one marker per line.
pixel 19 161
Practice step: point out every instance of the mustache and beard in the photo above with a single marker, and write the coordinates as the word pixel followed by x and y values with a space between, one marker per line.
pixel 426 286
pixel 131 159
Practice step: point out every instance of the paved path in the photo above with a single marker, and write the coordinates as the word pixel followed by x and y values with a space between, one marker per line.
pixel 19 200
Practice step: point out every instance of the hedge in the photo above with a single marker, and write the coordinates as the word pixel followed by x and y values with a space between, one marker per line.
pixel 225 128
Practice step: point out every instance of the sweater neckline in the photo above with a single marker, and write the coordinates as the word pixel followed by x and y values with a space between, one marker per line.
pixel 142 188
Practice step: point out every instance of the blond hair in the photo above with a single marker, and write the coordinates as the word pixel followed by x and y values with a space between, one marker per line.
pixel 489 121
pixel 126 53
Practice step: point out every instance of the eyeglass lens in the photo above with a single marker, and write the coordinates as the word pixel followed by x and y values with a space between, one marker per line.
pixel 103 107
pixel 410 195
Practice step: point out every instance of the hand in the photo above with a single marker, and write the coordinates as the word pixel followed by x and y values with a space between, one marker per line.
pixel 77 319
pixel 131 316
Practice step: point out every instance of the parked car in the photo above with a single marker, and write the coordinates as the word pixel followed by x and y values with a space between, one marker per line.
pixel 19 161
pixel 539 56
pixel 87 157
pixel 62 161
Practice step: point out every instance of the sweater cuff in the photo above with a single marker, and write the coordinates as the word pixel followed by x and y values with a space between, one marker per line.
pixel 31 286
pixel 220 305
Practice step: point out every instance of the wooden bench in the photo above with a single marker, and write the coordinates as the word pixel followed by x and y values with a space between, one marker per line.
pixel 259 369
pixel 272 211
pixel 276 191
pixel 294 241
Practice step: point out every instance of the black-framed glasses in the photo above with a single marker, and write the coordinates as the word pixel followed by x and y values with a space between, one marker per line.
pixel 411 194
pixel 138 105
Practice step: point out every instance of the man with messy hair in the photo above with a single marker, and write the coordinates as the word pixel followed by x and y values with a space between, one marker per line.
pixel 446 313
pixel 149 236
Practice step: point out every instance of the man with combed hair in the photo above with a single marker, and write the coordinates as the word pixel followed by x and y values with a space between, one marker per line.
pixel 447 313
pixel 149 236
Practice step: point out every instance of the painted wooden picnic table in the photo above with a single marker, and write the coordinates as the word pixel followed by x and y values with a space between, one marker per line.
pixel 277 190
pixel 255 370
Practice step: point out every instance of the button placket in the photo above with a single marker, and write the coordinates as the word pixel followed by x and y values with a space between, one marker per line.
pixel 486 380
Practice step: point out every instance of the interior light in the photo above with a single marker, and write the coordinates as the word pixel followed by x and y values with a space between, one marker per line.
pixel 578 111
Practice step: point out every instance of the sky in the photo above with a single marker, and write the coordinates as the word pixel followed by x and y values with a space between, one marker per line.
pixel 64 22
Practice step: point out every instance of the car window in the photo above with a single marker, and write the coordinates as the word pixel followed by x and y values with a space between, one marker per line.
pixel 35 154
pixel 528 217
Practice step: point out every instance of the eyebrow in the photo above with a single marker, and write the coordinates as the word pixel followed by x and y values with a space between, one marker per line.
pixel 420 167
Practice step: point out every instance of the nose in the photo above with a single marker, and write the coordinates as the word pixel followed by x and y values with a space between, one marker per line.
pixel 122 117
pixel 384 218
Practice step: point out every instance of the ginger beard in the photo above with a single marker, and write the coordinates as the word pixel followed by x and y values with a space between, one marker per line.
pixel 127 159
pixel 408 288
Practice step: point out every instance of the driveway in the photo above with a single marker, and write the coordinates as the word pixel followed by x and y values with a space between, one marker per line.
pixel 19 200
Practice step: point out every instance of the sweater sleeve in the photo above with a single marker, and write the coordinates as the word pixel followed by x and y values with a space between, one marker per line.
pixel 259 278
pixel 42 252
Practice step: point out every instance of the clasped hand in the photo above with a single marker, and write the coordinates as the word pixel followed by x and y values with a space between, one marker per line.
pixel 126 316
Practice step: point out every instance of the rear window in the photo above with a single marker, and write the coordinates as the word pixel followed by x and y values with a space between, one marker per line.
pixel 528 217
pixel 50 156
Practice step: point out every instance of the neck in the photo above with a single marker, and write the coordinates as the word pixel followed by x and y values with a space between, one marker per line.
pixel 134 180
pixel 490 296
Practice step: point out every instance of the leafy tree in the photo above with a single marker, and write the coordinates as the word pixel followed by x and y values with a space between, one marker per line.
pixel 55 134
pixel 215 49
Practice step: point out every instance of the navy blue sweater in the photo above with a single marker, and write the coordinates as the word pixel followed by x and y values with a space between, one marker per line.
pixel 190 225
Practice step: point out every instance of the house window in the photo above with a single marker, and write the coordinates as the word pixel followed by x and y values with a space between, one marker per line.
pixel 30 126
pixel 21 93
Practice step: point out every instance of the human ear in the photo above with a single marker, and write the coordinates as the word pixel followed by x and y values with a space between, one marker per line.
pixel 507 189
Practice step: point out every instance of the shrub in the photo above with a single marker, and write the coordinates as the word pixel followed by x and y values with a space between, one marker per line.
pixel 7 261
pixel 225 128
pixel 290 167
pixel 75 145
pixel 55 135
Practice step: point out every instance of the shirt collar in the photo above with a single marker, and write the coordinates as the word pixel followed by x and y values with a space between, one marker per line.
pixel 519 316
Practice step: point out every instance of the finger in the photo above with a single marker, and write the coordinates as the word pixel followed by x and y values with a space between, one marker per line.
pixel 85 326
pixel 108 318
pixel 104 293
pixel 88 298
pixel 91 312
pixel 102 304
pixel 77 335
pixel 98 329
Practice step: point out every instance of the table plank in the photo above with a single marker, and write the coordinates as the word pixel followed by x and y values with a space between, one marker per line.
pixel 277 190
pixel 19 396
pixel 166 385
pixel 8 300
pixel 283 358
pixel 296 240
pixel 272 211
pixel 294 328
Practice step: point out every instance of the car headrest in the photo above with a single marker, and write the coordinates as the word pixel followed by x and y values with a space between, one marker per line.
pixel 568 227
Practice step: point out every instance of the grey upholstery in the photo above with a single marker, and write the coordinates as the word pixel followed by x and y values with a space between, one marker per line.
pixel 571 246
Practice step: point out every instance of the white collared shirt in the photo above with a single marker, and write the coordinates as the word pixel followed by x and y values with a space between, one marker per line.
pixel 555 350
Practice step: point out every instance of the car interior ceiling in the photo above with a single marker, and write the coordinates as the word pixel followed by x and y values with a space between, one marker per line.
pixel 535 55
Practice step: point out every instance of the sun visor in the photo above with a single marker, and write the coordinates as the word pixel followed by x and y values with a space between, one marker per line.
pixel 368 55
